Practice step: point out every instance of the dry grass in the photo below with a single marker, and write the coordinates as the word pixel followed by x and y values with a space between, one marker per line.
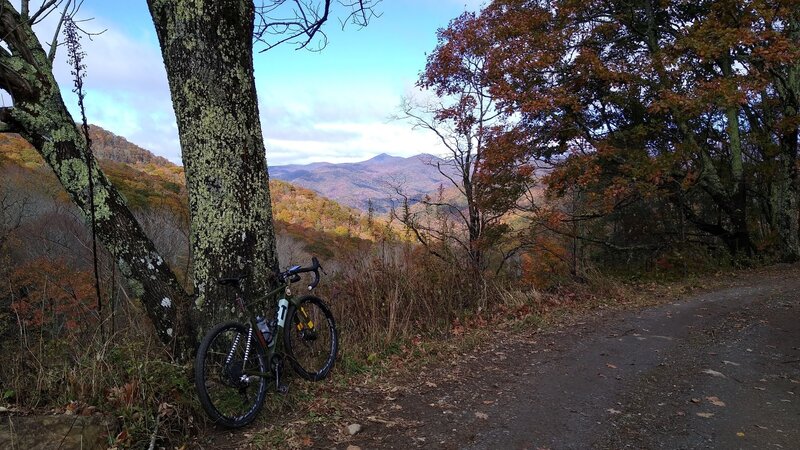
pixel 127 376
pixel 396 310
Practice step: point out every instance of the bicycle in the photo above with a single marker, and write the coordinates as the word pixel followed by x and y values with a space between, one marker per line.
pixel 235 362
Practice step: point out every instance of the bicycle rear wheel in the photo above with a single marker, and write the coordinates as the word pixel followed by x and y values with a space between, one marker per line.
pixel 310 338
pixel 230 396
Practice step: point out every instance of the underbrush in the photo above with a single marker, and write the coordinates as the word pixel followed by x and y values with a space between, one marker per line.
pixel 126 377
pixel 394 310
pixel 387 304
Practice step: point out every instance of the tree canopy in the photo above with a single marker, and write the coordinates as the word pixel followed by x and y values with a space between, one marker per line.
pixel 681 112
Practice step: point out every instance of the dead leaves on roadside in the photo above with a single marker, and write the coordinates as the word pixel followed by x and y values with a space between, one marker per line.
pixel 712 399
pixel 714 373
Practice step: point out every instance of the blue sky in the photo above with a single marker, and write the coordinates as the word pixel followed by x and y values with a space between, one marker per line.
pixel 331 106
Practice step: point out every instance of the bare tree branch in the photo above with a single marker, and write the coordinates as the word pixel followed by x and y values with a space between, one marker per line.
pixel 300 21
pixel 43 11
pixel 51 55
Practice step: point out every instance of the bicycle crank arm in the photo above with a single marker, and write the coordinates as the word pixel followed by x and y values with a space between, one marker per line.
pixel 280 388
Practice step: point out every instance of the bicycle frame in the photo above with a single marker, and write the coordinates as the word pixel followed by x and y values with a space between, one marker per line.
pixel 283 308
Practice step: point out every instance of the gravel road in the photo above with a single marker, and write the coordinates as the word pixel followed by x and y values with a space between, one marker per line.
pixel 716 370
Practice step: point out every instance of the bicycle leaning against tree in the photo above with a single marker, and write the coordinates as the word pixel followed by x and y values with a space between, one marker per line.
pixel 236 362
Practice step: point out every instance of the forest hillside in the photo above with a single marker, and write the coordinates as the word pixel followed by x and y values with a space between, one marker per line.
pixel 152 183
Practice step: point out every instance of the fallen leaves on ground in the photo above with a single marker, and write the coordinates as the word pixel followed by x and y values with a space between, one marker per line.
pixel 714 373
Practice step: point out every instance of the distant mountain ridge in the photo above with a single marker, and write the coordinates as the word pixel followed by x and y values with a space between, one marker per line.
pixel 355 184
pixel 351 184
pixel 149 182
pixel 107 145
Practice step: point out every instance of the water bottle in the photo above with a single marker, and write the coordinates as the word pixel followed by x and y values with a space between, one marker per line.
pixel 264 328
pixel 273 327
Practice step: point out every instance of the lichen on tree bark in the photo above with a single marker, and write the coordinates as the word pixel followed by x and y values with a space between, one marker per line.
pixel 40 116
pixel 208 53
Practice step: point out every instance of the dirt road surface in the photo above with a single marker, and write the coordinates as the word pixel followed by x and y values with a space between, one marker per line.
pixel 715 370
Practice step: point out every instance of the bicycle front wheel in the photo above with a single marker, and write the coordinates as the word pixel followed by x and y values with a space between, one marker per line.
pixel 224 378
pixel 310 338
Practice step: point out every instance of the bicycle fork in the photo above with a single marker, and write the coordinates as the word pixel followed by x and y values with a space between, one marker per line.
pixel 243 378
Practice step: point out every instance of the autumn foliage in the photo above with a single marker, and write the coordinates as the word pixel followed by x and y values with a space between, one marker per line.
pixel 54 297
pixel 666 125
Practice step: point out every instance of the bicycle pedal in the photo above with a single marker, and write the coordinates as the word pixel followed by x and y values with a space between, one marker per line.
pixel 283 389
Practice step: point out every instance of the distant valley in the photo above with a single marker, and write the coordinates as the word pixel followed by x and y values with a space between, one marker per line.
pixel 355 184
pixel 155 187
pixel 350 184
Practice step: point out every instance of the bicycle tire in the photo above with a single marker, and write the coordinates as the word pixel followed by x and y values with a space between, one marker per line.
pixel 311 351
pixel 219 383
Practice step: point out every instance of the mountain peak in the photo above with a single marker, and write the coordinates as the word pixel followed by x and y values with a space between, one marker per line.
pixel 376 179
pixel 382 157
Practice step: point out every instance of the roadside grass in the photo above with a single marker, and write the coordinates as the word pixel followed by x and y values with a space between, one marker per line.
pixel 368 367
pixel 128 378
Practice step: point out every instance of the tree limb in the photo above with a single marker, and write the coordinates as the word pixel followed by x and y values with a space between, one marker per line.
pixel 303 23
pixel 43 11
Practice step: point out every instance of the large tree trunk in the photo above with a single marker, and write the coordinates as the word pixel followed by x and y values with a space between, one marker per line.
pixel 40 116
pixel 208 53
pixel 738 188
pixel 787 207
pixel 731 198
pixel 787 86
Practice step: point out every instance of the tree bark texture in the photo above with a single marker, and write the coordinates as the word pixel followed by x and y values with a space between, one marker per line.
pixel 40 116
pixel 208 53
pixel 788 198
pixel 788 207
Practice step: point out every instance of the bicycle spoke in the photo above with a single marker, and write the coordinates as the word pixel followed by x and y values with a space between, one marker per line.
pixel 311 340
pixel 229 396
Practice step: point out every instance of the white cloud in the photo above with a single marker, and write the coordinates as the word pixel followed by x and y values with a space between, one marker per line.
pixel 345 124
pixel 117 62
pixel 128 94
pixel 127 89
pixel 368 139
